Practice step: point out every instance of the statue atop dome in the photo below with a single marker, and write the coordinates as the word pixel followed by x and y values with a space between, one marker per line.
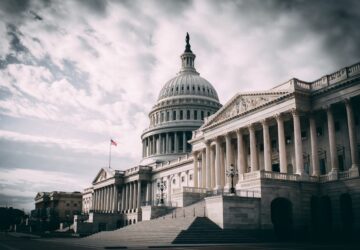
pixel 188 46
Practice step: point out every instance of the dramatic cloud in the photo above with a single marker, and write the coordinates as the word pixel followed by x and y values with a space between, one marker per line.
pixel 74 74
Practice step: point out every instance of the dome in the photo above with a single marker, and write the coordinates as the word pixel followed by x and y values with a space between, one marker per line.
pixel 183 104
pixel 188 83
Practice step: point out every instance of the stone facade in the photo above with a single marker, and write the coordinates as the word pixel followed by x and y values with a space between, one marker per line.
pixel 294 147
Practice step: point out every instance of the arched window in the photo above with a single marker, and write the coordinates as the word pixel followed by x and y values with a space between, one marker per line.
pixel 188 114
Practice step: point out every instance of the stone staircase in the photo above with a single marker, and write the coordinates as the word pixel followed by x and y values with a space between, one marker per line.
pixel 181 226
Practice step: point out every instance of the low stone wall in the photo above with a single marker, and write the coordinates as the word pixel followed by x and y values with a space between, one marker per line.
pixel 152 212
pixel 233 212
pixel 98 222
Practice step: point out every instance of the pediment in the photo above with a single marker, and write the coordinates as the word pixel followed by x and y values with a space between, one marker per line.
pixel 243 103
pixel 103 175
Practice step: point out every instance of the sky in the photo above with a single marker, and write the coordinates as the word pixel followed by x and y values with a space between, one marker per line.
pixel 74 74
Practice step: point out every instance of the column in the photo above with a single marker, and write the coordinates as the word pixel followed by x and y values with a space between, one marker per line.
pixel 222 165
pixel 100 199
pixel 139 195
pixel 176 142
pixel 169 189
pixel 267 146
pixel 217 164
pixel 158 144
pixel 147 147
pixel 94 201
pixel 253 151
pixel 241 164
pixel 203 168
pixel 332 142
pixel 229 159
pixel 154 145
pixel 352 135
pixel 107 199
pixel 131 194
pixel 212 159
pixel 148 193
pixel 298 143
pixel 135 189
pixel 167 143
pixel 122 198
pixel 195 156
pixel 282 147
pixel 127 202
pixel 314 147
pixel 184 142
pixel 208 165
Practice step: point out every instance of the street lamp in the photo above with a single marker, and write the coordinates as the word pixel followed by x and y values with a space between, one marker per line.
pixel 161 186
pixel 232 172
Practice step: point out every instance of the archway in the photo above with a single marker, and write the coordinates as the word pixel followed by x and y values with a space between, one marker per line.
pixel 325 217
pixel 347 216
pixel 315 214
pixel 281 217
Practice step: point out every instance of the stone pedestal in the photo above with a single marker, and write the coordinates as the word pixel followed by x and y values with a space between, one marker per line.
pixel 233 212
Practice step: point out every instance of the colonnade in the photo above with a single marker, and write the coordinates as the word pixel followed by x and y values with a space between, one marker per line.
pixel 211 163
pixel 105 199
pixel 131 196
pixel 165 143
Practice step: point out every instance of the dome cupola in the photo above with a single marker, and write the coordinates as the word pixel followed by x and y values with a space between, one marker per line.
pixel 183 103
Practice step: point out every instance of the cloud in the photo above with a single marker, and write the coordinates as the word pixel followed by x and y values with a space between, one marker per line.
pixel 19 186
pixel 74 74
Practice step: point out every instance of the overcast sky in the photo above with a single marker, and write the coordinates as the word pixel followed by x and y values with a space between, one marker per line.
pixel 74 74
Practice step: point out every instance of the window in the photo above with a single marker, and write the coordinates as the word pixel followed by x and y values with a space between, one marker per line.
pixel 188 114
pixel 182 179
pixel 273 144
pixel 337 126
pixel 190 177
pixel 202 115
pixel 319 131
pixel 181 114
pixel 195 115
pixel 167 115
pixel 261 147
pixel 174 115
pixel 303 135
pixel 174 181
pixel 287 139
pixel 68 204
pixel 75 205
pixel 208 113
pixel 341 162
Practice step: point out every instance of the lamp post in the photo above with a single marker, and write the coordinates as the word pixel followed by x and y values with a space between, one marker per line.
pixel 161 186
pixel 232 172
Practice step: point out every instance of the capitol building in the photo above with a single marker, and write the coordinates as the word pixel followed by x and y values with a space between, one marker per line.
pixel 284 159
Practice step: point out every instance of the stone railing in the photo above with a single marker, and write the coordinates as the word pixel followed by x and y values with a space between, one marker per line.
pixel 136 169
pixel 190 190
pixel 251 175
pixel 322 82
pixel 279 176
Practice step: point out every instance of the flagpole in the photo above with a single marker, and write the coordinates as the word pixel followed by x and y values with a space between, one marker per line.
pixel 110 154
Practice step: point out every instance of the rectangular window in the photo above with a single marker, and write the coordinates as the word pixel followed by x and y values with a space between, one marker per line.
pixel 190 177
pixel 303 135
pixel 319 131
pixel 174 115
pixel 322 167
pixel 337 126
pixel 195 115
pixel 167 116
pixel 182 179
pixel 341 162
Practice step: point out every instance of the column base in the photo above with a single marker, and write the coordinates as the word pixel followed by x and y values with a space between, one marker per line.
pixel 304 176
pixel 354 171
pixel 227 188
pixel 333 175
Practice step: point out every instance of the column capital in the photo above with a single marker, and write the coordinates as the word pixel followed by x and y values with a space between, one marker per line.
pixel 326 107
pixel 264 121
pixel 295 112
pixel 279 116
pixel 251 127
pixel 347 101
pixel 227 134
pixel 239 131
pixel 195 153
pixel 207 142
